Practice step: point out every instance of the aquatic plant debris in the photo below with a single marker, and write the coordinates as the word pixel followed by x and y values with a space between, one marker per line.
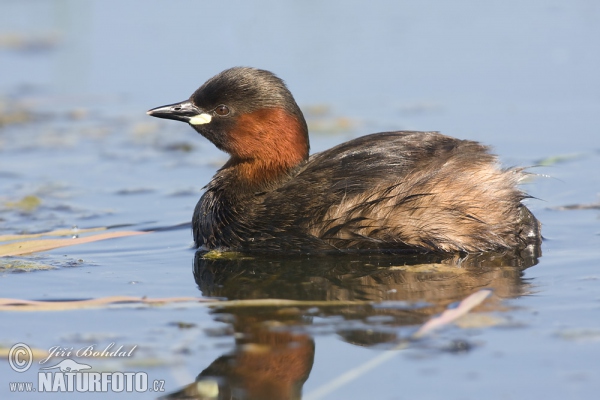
pixel 33 305
pixel 34 246
pixel 37 354
pixel 558 159
pixel 12 265
pixel 445 318
pixel 27 204
pixel 58 232
pixel 589 206
pixel 453 314
pixel 50 305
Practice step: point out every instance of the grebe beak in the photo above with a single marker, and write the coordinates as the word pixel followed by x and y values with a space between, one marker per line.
pixel 185 111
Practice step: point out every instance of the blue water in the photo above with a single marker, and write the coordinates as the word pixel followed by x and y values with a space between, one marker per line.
pixel 519 77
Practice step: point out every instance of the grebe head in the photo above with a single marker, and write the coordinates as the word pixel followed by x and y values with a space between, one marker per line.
pixel 248 113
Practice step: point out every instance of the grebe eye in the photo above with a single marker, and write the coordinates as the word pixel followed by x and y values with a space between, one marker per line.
pixel 222 110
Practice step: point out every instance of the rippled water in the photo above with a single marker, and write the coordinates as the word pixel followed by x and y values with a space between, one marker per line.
pixel 76 149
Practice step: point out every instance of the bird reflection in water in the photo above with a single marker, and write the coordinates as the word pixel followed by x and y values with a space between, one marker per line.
pixel 372 296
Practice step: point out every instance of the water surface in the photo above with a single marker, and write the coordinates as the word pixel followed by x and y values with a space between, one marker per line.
pixel 77 78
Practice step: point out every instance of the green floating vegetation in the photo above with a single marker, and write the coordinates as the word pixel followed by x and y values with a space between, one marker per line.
pixel 225 255
pixel 558 159
pixel 183 325
pixel 183 147
pixel 26 204
pixel 11 265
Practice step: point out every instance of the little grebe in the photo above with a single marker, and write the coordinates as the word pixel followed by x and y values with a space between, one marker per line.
pixel 415 191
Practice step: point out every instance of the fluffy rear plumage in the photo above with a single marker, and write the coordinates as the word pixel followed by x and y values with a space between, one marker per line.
pixel 397 190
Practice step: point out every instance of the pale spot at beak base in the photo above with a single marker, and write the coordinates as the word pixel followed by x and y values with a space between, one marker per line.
pixel 200 119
